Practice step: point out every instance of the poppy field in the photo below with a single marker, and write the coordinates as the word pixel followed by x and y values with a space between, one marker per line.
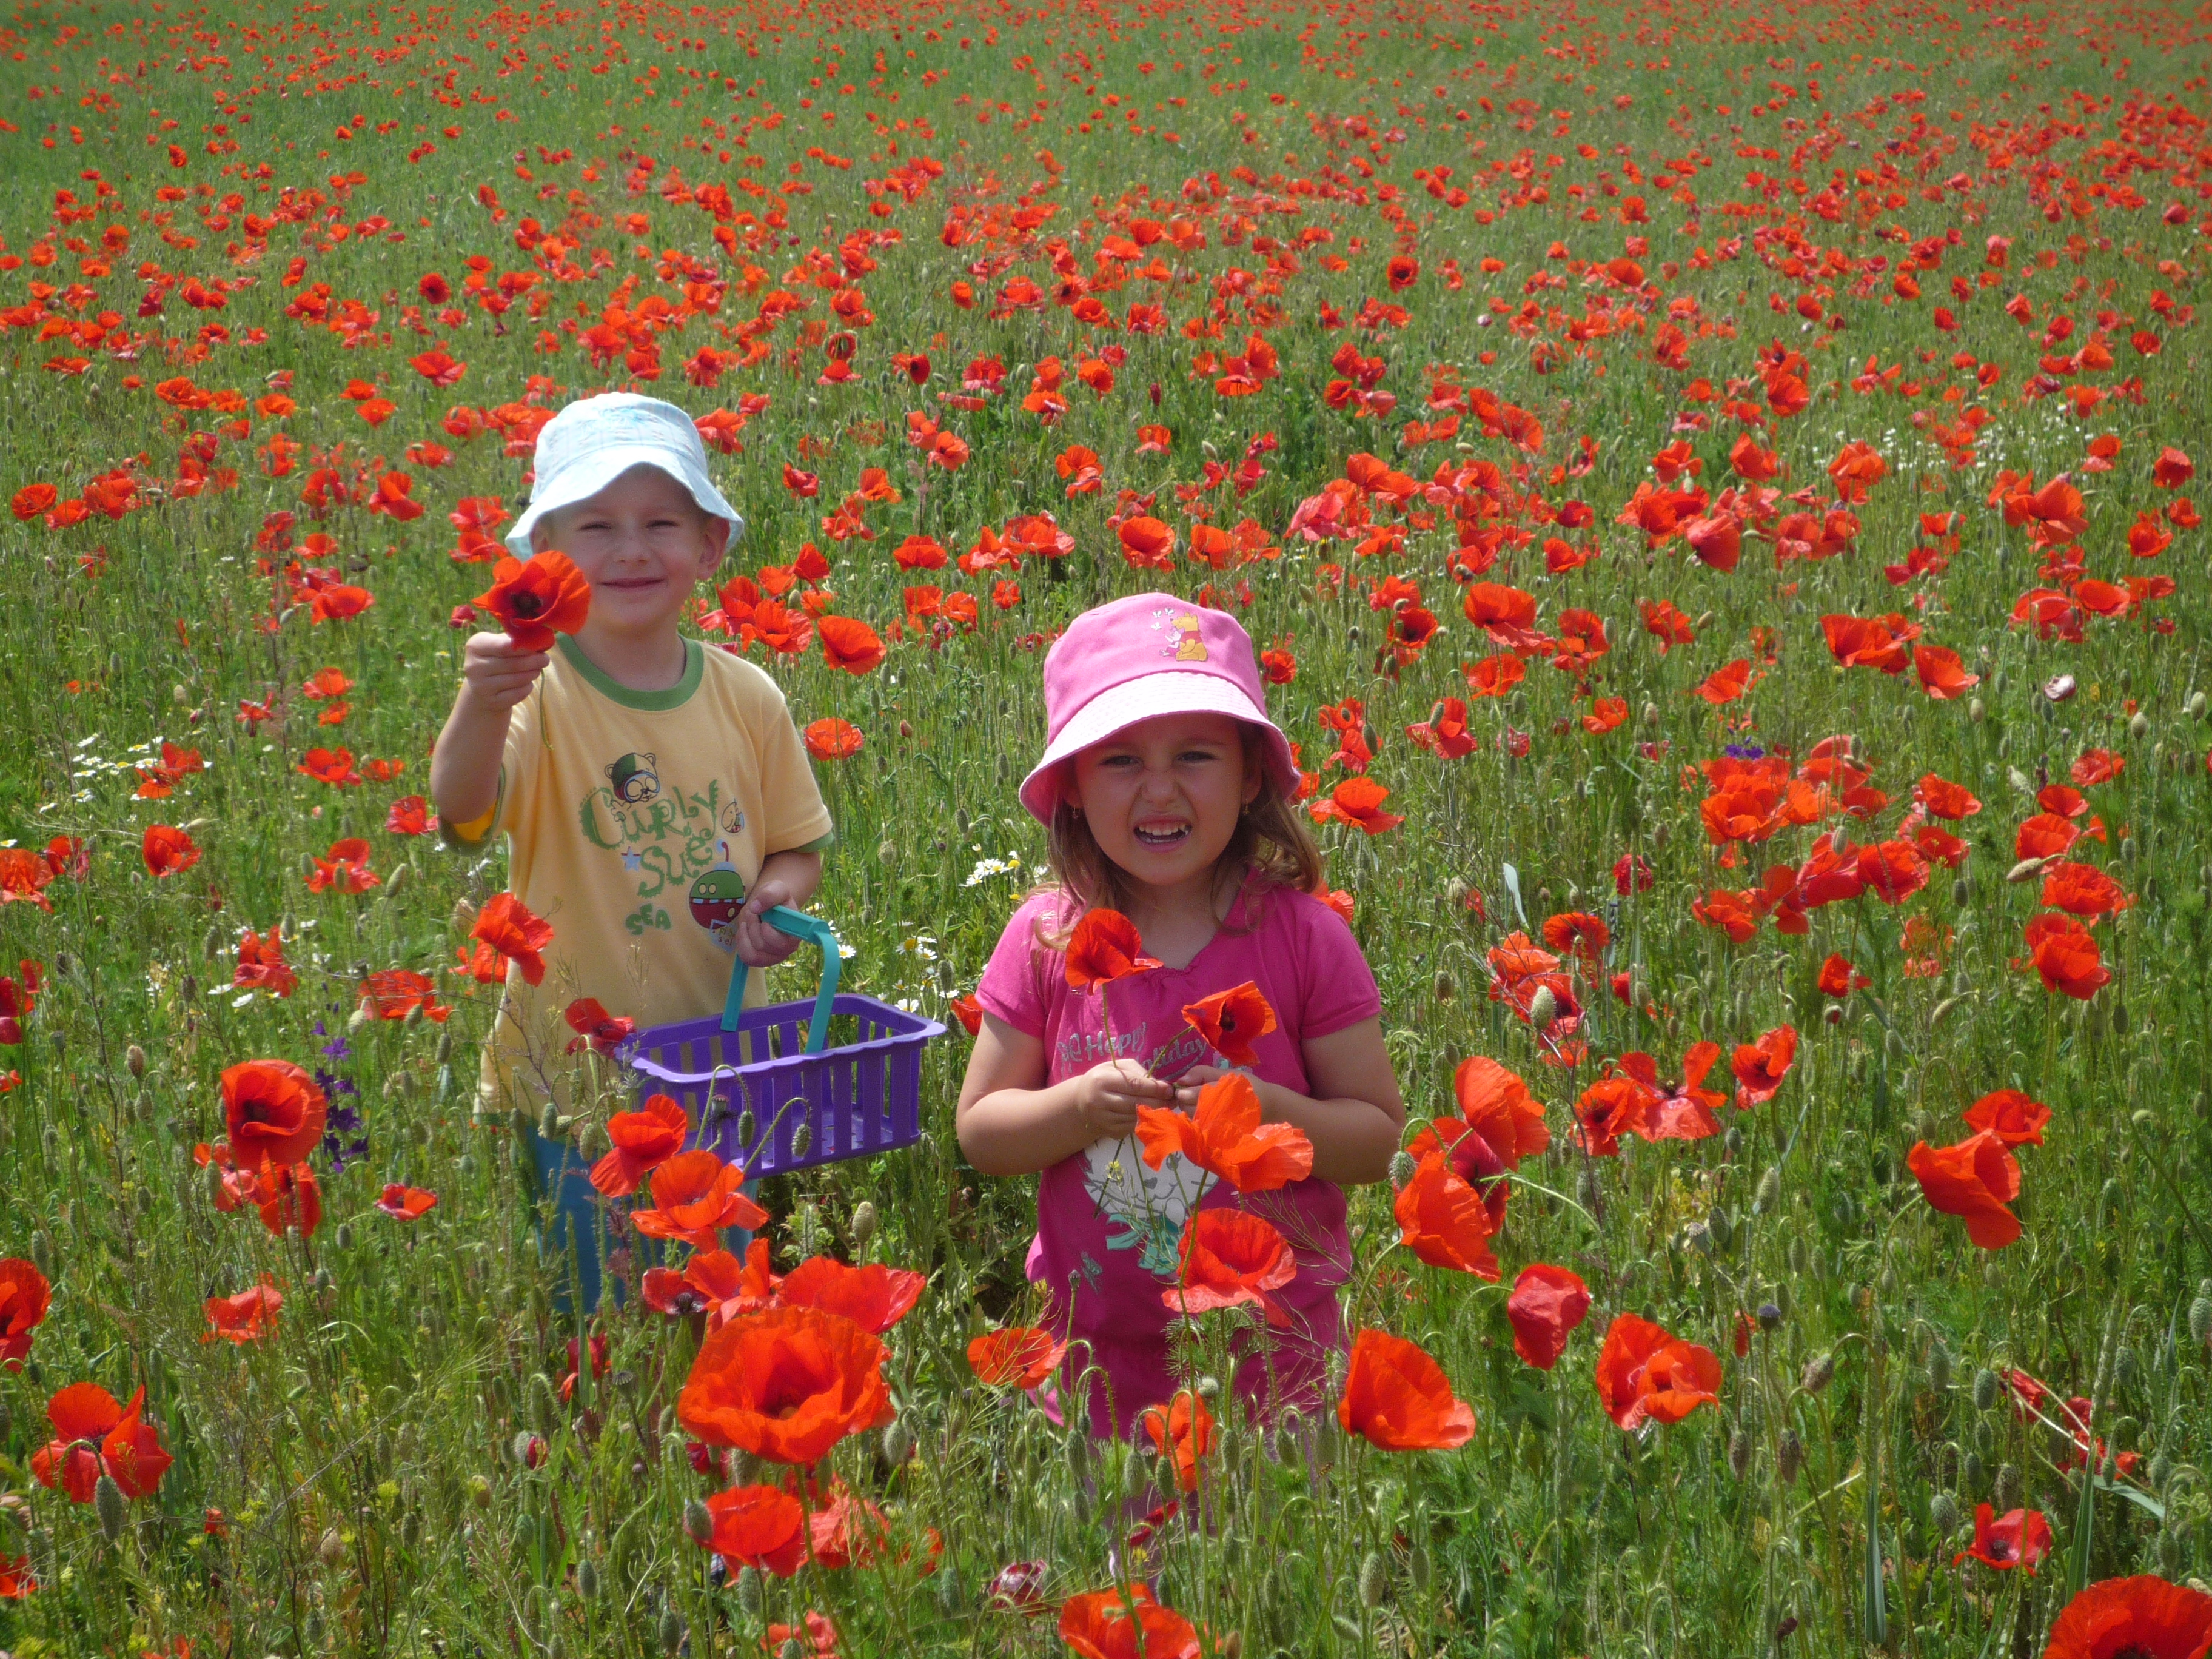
pixel 1714 490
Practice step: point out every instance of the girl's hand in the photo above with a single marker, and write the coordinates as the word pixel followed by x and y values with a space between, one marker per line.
pixel 497 673
pixel 1107 1095
pixel 1188 1083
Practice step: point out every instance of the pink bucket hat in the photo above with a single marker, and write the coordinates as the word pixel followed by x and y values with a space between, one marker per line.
pixel 1147 655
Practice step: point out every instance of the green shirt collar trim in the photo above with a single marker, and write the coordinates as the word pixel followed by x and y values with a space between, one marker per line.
pixel 651 702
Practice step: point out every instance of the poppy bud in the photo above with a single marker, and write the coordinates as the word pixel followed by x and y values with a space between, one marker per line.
pixel 1739 1454
pixel 1770 1191
pixel 345 1236
pixel 1700 1237
pixel 863 1225
pixel 2127 849
pixel 1973 1472
pixel 323 1278
pixel 2127 1370
pixel 2200 1319
pixel 749 1590
pixel 1401 1170
pixel 1939 1369
pixel 747 1124
pixel 588 1580
pixel 107 1502
pixel 2139 727
pixel 1444 990
pixel 1974 710
pixel 1543 1008
pixel 1374 1580
pixel 671 1632
pixel 1833 1014
pixel 1820 1372
pixel 898 1441
pixel 396 880
pixel 949 1597
pixel 698 1522
pixel 887 854
pixel 134 1058
pixel 361 1016
pixel 1943 1511
pixel 465 916
pixel 211 946
pixel 480 1491
pixel 2005 1494
pixel 1650 714
pixel 1789 1456
pixel 331 1546
pixel 2196 705
pixel 1720 1226
pixel 802 1139
pixel 2114 1193
pixel 1770 1316
pixel 549 1122
pixel 215 1194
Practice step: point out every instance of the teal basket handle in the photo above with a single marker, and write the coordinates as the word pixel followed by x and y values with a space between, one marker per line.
pixel 799 925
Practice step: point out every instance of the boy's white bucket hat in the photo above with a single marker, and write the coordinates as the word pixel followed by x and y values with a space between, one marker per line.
pixel 594 440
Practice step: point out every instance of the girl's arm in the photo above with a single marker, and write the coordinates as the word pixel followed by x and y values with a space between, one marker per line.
pixel 1354 1116
pixel 1009 1125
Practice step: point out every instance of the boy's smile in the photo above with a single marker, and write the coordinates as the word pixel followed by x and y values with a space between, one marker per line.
pixel 643 543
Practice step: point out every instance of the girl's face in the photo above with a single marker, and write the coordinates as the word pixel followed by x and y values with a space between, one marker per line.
pixel 1162 799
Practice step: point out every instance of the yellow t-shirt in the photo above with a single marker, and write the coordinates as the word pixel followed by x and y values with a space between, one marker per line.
pixel 636 823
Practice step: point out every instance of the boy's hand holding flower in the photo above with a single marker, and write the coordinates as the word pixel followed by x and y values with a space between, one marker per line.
pixel 496 672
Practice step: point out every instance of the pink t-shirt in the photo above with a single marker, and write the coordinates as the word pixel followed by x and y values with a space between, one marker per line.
pixel 1108 1227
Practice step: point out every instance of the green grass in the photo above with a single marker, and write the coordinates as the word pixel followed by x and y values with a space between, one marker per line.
pixel 363 1454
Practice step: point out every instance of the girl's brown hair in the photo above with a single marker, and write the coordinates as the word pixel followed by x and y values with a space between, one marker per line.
pixel 1271 841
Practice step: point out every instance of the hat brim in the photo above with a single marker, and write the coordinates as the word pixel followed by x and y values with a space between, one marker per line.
pixel 1119 707
pixel 588 475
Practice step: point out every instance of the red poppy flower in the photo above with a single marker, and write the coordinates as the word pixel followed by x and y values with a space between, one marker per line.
pixel 272 1110
pixel 1943 675
pixel 1577 934
pixel 1441 1219
pixel 1224 1137
pixel 288 1195
pixel 1397 1398
pixel 168 849
pixel 785 1384
pixel 1125 1624
pixel 331 766
pixel 506 931
pixel 1546 1306
pixel 1183 1429
pixel 2011 1116
pixel 1941 799
pixel 2084 889
pixel 1760 1066
pixel 849 644
pixel 1105 947
pixel 1019 1356
pixel 1231 1021
pixel 246 1317
pixel 410 815
pixel 2021 1538
pixel 695 1196
pixel 1645 1374
pixel 406 1203
pixel 762 1527
pixel 595 1025
pixel 830 738
pixel 25 1297
pixel 2173 469
pixel 643 1141
pixel 17 1580
pixel 1358 802
pixel 1230 1257
pixel 875 1297
pixel 1147 542
pixel 96 1434
pixel 2139 1618
pixel 346 869
pixel 2064 954
pixel 537 599
pixel 1839 978
pixel 1974 1181
pixel 1497 1105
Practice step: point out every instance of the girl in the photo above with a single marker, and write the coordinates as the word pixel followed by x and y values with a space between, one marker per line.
pixel 1169 795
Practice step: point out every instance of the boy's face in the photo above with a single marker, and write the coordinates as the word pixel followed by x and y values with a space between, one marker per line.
pixel 642 543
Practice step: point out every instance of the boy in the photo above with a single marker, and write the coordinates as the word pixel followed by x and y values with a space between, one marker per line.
pixel 655 795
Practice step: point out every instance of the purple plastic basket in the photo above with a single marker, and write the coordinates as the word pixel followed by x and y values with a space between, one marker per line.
pixel 855 1099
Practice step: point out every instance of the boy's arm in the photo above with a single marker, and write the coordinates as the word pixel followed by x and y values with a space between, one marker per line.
pixel 495 676
pixel 788 878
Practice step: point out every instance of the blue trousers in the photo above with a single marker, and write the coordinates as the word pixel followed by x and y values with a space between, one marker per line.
pixel 567 1179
